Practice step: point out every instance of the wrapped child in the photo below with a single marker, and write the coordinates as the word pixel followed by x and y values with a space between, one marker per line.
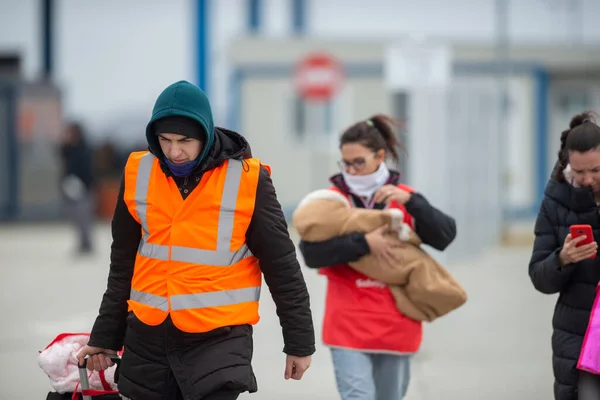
pixel 422 289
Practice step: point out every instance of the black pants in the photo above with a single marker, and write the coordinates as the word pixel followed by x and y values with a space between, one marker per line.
pixel 160 361
pixel 588 386
pixel 221 395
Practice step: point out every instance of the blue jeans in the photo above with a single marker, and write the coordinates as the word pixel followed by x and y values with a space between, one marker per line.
pixel 370 376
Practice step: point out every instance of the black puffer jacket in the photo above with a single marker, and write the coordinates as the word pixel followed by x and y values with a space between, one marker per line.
pixel 563 206
pixel 158 357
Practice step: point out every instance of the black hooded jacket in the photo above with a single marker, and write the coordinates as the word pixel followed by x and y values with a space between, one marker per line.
pixel 267 238
pixel 563 206
pixel 162 362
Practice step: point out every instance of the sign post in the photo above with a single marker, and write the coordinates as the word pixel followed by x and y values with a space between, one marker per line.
pixel 418 75
pixel 414 65
pixel 318 78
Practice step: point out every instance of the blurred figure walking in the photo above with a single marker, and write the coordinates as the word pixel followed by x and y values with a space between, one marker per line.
pixel 76 184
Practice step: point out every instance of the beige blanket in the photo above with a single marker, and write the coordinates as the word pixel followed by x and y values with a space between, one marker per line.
pixel 422 288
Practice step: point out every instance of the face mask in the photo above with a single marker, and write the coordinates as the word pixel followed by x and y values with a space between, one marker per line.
pixel 181 170
pixel 367 185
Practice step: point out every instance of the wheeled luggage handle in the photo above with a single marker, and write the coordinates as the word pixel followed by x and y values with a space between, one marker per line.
pixel 83 377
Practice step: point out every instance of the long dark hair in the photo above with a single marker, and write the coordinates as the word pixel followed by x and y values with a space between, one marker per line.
pixel 583 135
pixel 375 133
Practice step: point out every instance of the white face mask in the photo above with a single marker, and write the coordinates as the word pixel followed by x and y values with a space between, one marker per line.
pixel 367 185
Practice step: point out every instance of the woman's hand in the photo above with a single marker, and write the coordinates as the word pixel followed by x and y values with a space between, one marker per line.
pixel 571 254
pixel 388 193
pixel 382 246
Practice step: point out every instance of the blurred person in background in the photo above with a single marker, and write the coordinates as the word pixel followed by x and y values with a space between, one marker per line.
pixel 106 162
pixel 559 265
pixel 196 224
pixel 76 183
pixel 371 342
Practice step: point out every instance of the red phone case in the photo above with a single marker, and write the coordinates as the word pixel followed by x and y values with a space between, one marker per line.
pixel 579 230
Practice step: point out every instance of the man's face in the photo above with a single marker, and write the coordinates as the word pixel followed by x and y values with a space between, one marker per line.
pixel 179 149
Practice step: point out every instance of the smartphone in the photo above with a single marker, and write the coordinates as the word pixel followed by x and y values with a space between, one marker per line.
pixel 581 230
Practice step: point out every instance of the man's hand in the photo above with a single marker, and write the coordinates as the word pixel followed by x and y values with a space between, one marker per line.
pixel 97 361
pixel 295 367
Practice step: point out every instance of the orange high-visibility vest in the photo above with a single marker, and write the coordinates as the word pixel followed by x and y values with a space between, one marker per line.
pixel 192 261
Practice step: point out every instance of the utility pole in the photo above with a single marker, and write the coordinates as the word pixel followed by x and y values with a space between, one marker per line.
pixel 47 32
pixel 502 39
pixel 576 25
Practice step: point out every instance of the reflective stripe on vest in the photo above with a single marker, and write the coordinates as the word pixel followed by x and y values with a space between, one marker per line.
pixel 198 300
pixel 222 256
pixel 151 300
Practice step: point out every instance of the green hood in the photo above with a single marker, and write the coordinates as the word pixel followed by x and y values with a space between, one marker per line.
pixel 185 100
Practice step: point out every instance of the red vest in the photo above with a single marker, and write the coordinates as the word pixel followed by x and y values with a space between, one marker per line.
pixel 360 313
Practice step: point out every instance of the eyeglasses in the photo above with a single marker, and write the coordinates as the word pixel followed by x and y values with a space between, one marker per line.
pixel 358 163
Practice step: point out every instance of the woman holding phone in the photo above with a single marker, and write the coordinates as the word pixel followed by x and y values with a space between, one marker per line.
pixel 564 264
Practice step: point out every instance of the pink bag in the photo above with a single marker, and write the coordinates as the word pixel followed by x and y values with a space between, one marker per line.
pixel 589 359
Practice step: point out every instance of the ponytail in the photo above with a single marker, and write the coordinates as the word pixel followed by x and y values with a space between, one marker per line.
pixel 383 124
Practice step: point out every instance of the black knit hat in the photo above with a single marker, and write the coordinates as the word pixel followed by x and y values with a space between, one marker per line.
pixel 180 125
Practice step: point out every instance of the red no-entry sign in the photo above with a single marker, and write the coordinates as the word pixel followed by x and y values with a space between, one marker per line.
pixel 318 76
